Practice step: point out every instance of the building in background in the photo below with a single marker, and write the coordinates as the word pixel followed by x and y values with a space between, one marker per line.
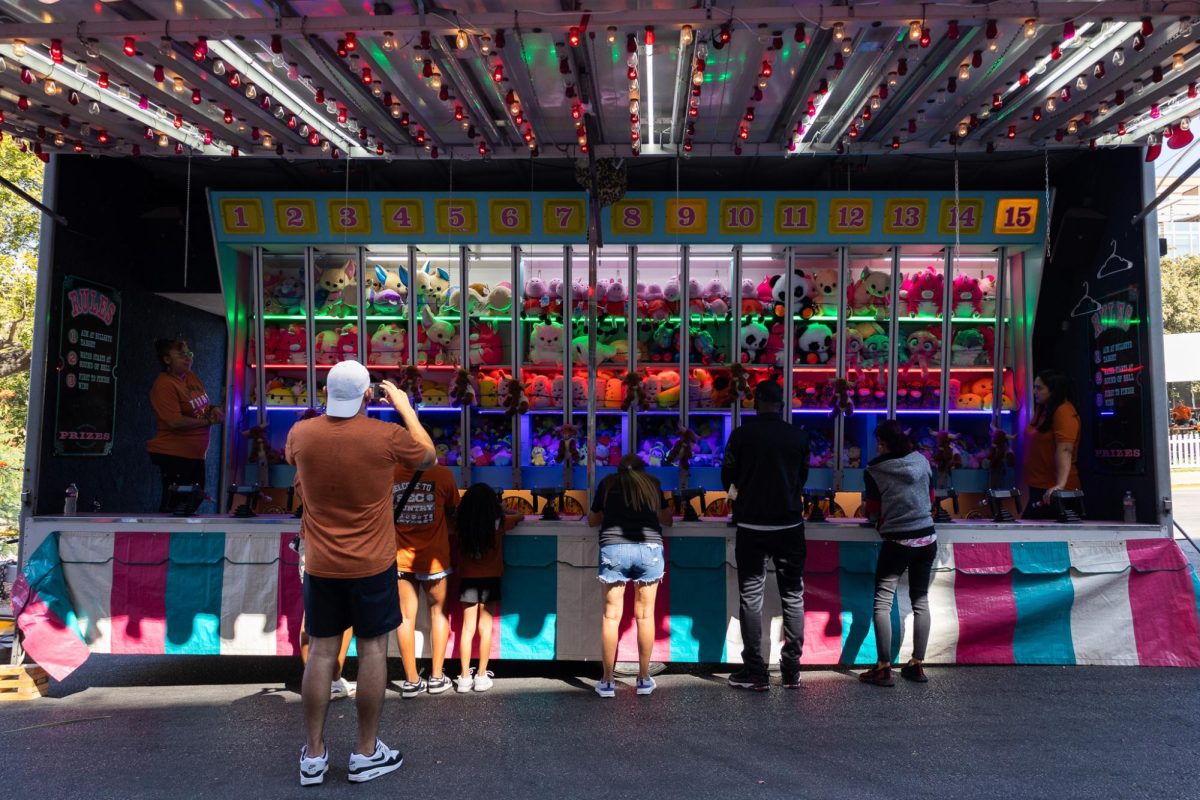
pixel 1179 216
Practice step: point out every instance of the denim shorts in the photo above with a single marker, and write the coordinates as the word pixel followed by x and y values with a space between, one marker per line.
pixel 643 563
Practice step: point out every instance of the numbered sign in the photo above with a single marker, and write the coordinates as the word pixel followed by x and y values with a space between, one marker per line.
pixel 687 215
pixel 562 217
pixel 795 215
pixel 350 216
pixel 510 217
pixel 633 217
pixel 456 216
pixel 404 217
pixel 967 217
pixel 242 215
pixel 741 216
pixel 295 217
pixel 1016 216
pixel 850 216
pixel 905 216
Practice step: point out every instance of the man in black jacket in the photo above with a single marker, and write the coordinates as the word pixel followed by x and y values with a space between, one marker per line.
pixel 766 459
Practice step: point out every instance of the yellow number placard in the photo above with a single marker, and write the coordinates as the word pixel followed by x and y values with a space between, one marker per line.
pixel 795 215
pixel 740 215
pixel 459 215
pixel 850 215
pixel 294 217
pixel 351 216
pixel 967 216
pixel 510 217
pixel 630 217
pixel 1015 216
pixel 564 217
pixel 403 216
pixel 687 215
pixel 905 215
pixel 242 215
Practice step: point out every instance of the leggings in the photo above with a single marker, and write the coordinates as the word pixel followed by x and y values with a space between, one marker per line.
pixel 894 559
pixel 180 472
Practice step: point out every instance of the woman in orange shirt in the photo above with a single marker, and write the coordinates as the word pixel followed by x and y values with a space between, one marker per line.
pixel 184 418
pixel 1051 442
pixel 423 558
pixel 481 523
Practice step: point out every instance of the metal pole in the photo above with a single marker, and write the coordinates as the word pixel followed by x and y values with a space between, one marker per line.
pixel 514 336
pixel 893 335
pixel 464 342
pixel 21 193
pixel 950 260
pixel 789 333
pixel 1163 195
pixel 735 344
pixel 839 425
pixel 593 269
pixel 569 350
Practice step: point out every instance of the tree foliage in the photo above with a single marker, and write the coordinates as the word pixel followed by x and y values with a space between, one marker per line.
pixel 1181 294
pixel 19 230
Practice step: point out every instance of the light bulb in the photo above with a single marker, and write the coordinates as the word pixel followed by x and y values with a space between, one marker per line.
pixel 1103 107
pixel 178 83
pixel 839 31
pixel 267 142
pixel 1185 124
pixel 914 30
pixel 1081 83
pixel 485 44
pixel 81 68
pixel 377 89
pixel 389 40
pixel 436 81
pixel 94 108
pixel 875 101
pixel 612 35
pixel 962 129
pixel 1030 28
pixel 1177 62
pixel 964 72
pixel 163 141
pixel 685 36
pixel 251 91
pixel 891 79
pixel 395 110
pixel 1051 105
pixel 1118 57
pixel 51 88
pixel 19 48
pixel 461 41
pixel 697 78
pixel 1072 127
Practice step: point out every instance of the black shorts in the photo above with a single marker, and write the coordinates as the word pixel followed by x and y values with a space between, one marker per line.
pixel 371 606
pixel 479 590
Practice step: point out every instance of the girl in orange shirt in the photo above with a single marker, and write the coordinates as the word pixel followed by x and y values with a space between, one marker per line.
pixel 1051 443
pixel 482 522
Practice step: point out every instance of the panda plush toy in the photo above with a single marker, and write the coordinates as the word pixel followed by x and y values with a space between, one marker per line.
pixel 803 288
pixel 753 336
pixel 814 343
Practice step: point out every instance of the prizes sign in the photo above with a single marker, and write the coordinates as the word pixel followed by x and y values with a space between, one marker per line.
pixel 87 382
pixel 1117 383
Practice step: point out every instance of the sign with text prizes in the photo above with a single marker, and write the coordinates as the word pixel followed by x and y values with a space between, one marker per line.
pixel 87 381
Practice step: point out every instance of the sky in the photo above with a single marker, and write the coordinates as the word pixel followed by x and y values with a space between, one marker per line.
pixel 1174 162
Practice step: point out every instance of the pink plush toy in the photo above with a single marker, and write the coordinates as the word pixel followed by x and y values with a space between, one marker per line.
pixel 773 352
pixel 438 337
pixel 925 294
pixel 326 349
pixel 347 343
pixel 388 345
pixel 766 291
pixel 968 297
pixel 716 299
pixel 987 299
pixel 485 345
pixel 616 299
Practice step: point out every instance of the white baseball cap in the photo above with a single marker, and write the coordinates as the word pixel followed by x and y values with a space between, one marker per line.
pixel 345 386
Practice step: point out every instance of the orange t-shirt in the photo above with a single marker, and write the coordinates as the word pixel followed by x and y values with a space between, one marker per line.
pixel 423 532
pixel 1040 469
pixel 174 398
pixel 491 564
pixel 344 473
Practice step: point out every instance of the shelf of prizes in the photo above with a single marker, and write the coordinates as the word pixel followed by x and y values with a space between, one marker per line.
pixel 524 384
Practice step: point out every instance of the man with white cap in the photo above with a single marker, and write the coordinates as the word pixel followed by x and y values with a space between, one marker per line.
pixel 344 463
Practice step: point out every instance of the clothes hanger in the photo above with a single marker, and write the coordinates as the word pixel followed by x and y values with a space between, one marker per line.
pixel 1086 305
pixel 1119 263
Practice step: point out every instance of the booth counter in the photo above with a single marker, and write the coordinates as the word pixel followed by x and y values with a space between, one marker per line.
pixel 1022 592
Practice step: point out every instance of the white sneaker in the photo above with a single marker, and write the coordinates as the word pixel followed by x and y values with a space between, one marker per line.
pixel 484 682
pixel 342 688
pixel 606 689
pixel 465 683
pixel 381 762
pixel 312 770
pixel 646 686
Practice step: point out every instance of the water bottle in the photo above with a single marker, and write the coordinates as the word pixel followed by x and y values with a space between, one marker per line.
pixel 1129 507
pixel 72 500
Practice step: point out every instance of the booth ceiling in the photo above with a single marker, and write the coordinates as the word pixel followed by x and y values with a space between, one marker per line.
pixel 478 79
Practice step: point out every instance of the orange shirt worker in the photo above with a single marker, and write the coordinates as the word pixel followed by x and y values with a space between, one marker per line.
pixel 1051 442
pixel 344 462
pixel 185 417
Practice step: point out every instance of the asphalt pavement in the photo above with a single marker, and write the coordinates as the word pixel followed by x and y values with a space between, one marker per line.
pixel 178 727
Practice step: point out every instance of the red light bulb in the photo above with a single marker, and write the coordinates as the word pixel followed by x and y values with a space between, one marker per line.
pixel 925 37
pixel 351 41
pixel 749 114
pixel 1068 30
pixel 952 30
pixel 1012 131
pixel 498 73
pixel 632 73
pixel 1037 114
pixel 812 108
pixel 178 120
pixel 341 115
pixel 319 96
pixel 766 69
pixel 838 61
pixel 56 52
pixel 341 48
pixel 208 137
pixel 228 116
pixel 102 137
pixel 573 36
pixel 977 59
pixel 1121 129
pixel 102 81
pixel 159 73
pixel 997 101
pixel 992 31
pixel 458 113
pixel 130 47
pixel 366 75
pixel 1055 52
pixel 196 98
pixel 800 35
pixel 1147 26
pixel 912 126
pixel 1024 79
pixel 895 142
pixel 200 49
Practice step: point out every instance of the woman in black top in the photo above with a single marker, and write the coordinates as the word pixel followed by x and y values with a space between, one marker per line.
pixel 630 510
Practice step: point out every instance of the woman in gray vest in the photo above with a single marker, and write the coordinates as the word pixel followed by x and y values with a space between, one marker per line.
pixel 900 499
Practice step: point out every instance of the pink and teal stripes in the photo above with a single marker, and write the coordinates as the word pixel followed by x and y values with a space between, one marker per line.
pixel 237 593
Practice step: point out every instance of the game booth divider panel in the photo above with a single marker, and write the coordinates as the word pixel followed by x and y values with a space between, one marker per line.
pixel 237 592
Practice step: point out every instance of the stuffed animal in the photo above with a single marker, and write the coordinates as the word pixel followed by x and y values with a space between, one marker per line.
pixel 967 348
pixel 386 288
pixel 704 349
pixel 339 288
pixel 968 297
pixel 291 345
pixel 672 291
pixel 841 400
pixel 635 392
pixel 766 291
pixel 875 350
pixel 477 294
pixel 814 343
pixel 435 394
pixel 439 339
pixel 773 352
pixel 984 388
pixel 499 299
pixel 326 350
pixel 462 393
pixel 925 293
pixel 664 345
pixel 614 393
pixel 545 343
pixel 347 343
pixel 870 295
pixel 540 392
pixel 923 349
pixel 825 288
pixel 579 392
pixel 616 299
pixel 946 454
pixel 279 393
pixel 684 447
pixel 802 304
pixel 260 447
pixel 987 296
pixel 614 351
pixel 669 388
pixel 700 388
pixel 484 345
pixel 753 336
pixel 489 389
pixel 750 304
pixel 1000 454
pixel 512 396
pixel 715 298
pixel 433 284
pixel 285 296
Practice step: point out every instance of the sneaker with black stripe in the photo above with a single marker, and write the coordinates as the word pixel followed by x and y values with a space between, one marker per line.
pixel 744 679
pixel 409 690
pixel 312 770
pixel 368 768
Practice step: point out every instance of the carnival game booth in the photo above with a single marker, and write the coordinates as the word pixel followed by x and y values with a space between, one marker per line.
pixel 548 332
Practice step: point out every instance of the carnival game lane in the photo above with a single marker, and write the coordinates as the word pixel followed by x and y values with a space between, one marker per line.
pixel 178 727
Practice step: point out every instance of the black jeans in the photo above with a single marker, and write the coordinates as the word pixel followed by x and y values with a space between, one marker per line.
pixel 180 472
pixel 787 549
pixel 894 559
pixel 1037 512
